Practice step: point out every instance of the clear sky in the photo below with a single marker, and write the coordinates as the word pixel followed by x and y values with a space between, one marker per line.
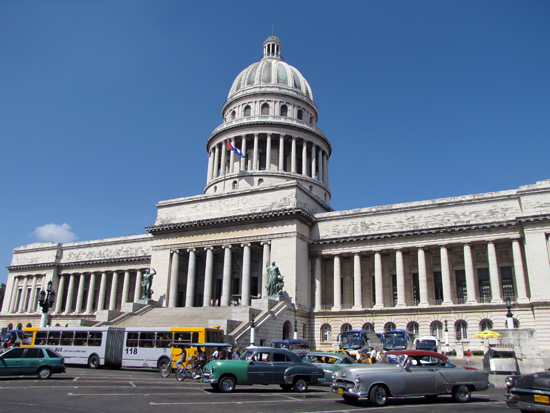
pixel 106 106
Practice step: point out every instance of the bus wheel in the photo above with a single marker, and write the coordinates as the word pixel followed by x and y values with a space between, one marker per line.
pixel 93 362
pixel 165 367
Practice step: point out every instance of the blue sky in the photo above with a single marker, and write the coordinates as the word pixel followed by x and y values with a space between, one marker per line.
pixel 106 106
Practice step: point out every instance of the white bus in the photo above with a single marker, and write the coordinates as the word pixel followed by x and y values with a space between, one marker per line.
pixel 146 347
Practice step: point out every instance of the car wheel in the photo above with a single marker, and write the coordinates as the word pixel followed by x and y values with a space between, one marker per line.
pixel 378 395
pixel 350 399
pixel 165 368
pixel 461 393
pixel 93 362
pixel 215 386
pixel 300 385
pixel 286 387
pixel 227 384
pixel 44 373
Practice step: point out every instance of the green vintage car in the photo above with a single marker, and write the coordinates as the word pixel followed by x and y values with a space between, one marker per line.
pixel 263 365
pixel 329 362
pixel 30 361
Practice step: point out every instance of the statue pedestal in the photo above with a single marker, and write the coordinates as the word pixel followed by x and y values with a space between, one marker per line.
pixel 146 301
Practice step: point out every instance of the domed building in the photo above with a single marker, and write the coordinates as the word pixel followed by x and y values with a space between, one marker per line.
pixel 422 266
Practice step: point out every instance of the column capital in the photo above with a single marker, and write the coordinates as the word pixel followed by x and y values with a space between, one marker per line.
pixel 191 249
pixel 208 248
pixel 246 244
pixel 517 238
pixel 421 247
pixel 228 246
pixel 490 241
pixel 265 242
pixel 174 251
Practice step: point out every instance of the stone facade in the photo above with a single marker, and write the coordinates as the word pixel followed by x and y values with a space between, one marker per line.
pixel 417 266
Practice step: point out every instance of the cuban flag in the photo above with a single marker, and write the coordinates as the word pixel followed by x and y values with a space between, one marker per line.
pixel 230 147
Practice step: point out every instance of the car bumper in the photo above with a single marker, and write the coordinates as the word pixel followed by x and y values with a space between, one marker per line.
pixel 208 378
pixel 58 369
pixel 514 401
pixel 348 390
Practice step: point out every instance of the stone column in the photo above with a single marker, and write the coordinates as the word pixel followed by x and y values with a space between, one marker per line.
pixel 470 277
pixel 59 297
pixel 520 275
pixel 91 289
pixel 224 158
pixel 209 173
pixel 125 287
pixel 493 273
pixel 378 281
pixel 70 294
pixel 400 277
pixel 268 153
pixel 191 268
pixel 231 158
pixel 23 295
pixel 321 158
pixel 137 287
pixel 208 274
pixel 80 293
pixel 174 278
pixel 293 155
pixel 281 153
pixel 326 170
pixel 245 288
pixel 313 161
pixel 216 160
pixel 445 276
pixel 317 283
pixel 357 285
pixel 32 298
pixel 102 292
pixel 13 301
pixel 304 157
pixel 255 154
pixel 337 285
pixel 114 291
pixel 226 280
pixel 422 278
pixel 243 150
pixel 265 261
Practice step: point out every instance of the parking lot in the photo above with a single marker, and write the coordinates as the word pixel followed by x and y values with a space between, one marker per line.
pixel 120 391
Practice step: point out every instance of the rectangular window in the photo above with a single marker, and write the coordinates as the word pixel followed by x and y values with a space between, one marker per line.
pixel 416 288
pixel 164 339
pixel 373 289
pixel 484 285
pixel 67 338
pixel 132 339
pixel 94 339
pixel 461 292
pixel 438 287
pixel 53 338
pixel 263 161
pixel 236 288
pixel 41 338
pixel 394 288
pixel 507 281
pixel 146 340
pixel 81 338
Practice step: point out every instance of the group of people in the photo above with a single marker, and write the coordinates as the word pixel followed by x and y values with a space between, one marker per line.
pixel 371 356
pixel 199 360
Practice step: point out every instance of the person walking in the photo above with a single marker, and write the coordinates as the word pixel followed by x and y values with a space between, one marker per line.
pixel 468 357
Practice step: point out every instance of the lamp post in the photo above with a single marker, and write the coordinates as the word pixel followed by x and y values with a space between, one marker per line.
pixel 509 315
pixel 46 300
pixel 295 327
pixel 252 331
pixel 447 352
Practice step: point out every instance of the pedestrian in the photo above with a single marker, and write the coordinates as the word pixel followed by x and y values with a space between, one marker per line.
pixel 468 357
pixel 236 354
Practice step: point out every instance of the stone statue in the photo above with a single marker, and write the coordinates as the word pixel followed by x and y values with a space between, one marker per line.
pixel 275 281
pixel 146 284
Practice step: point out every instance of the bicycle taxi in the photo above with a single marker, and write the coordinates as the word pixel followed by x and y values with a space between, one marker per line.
pixel 190 351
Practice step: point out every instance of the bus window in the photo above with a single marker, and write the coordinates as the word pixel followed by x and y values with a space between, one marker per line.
pixel 67 338
pixel 214 336
pixel 41 338
pixel 146 340
pixel 27 338
pixel 132 340
pixel 164 339
pixel 95 338
pixel 182 337
pixel 80 338
pixel 53 338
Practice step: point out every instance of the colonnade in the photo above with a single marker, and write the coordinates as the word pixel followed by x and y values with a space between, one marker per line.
pixel 448 293
pixel 24 294
pixel 227 270
pixel 314 159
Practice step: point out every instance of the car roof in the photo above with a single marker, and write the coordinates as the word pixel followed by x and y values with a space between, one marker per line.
pixel 418 353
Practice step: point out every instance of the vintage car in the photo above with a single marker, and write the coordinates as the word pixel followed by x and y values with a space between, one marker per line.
pixel 408 373
pixel 263 365
pixel 529 392
pixel 23 361
pixel 329 362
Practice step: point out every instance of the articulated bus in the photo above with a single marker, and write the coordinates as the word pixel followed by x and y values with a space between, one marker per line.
pixel 114 347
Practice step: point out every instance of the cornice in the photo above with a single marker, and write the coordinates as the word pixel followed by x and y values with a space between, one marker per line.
pixel 79 263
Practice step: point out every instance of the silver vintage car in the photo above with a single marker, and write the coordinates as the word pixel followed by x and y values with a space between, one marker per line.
pixel 408 373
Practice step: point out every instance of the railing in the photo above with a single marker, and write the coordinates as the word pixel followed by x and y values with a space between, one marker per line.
pixel 461 300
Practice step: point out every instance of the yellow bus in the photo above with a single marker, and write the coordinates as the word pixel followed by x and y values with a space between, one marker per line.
pixel 115 347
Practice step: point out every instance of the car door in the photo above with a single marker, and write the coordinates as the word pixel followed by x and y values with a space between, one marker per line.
pixel 10 361
pixel 260 368
pixel 33 358
pixel 281 362
pixel 419 379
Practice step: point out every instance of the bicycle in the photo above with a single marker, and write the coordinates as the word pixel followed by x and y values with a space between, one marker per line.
pixel 166 369
pixel 186 371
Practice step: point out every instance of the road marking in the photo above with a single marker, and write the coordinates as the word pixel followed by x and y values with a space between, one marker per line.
pixel 224 402
pixel 400 406
pixel 133 385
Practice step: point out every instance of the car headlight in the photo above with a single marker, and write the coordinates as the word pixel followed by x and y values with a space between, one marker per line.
pixel 357 379
pixel 333 376
pixel 509 382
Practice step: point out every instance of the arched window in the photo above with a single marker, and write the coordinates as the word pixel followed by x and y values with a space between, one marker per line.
pixel 10 326
pixel 345 327
pixel 300 114
pixel 389 327
pixel 485 325
pixel 516 323
pixel 235 185
pixel 232 115
pixel 368 327
pixel 19 326
pixel 326 333
pixel 29 324
pixel 265 109
pixel 287 330
pixel 461 328
pixel 437 330
pixel 311 120
pixel 413 327
pixel 247 110
pixel 57 325
pixel 284 110
pixel 215 189
pixel 260 181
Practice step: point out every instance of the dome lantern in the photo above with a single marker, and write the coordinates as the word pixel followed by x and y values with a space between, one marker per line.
pixel 272 47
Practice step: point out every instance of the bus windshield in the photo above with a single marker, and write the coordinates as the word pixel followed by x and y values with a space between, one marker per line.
pixel 351 340
pixel 394 341
pixel 429 345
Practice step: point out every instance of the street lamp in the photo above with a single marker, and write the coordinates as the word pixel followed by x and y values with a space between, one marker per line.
pixel 46 300
pixel 447 352
pixel 252 331
pixel 295 327
pixel 509 315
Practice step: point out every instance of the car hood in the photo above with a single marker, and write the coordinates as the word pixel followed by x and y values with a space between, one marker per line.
pixel 539 381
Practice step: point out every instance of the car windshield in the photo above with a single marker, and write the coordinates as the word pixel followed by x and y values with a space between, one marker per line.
pixel 393 358
pixel 247 355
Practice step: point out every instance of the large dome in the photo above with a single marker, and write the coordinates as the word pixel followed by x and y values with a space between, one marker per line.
pixel 271 71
